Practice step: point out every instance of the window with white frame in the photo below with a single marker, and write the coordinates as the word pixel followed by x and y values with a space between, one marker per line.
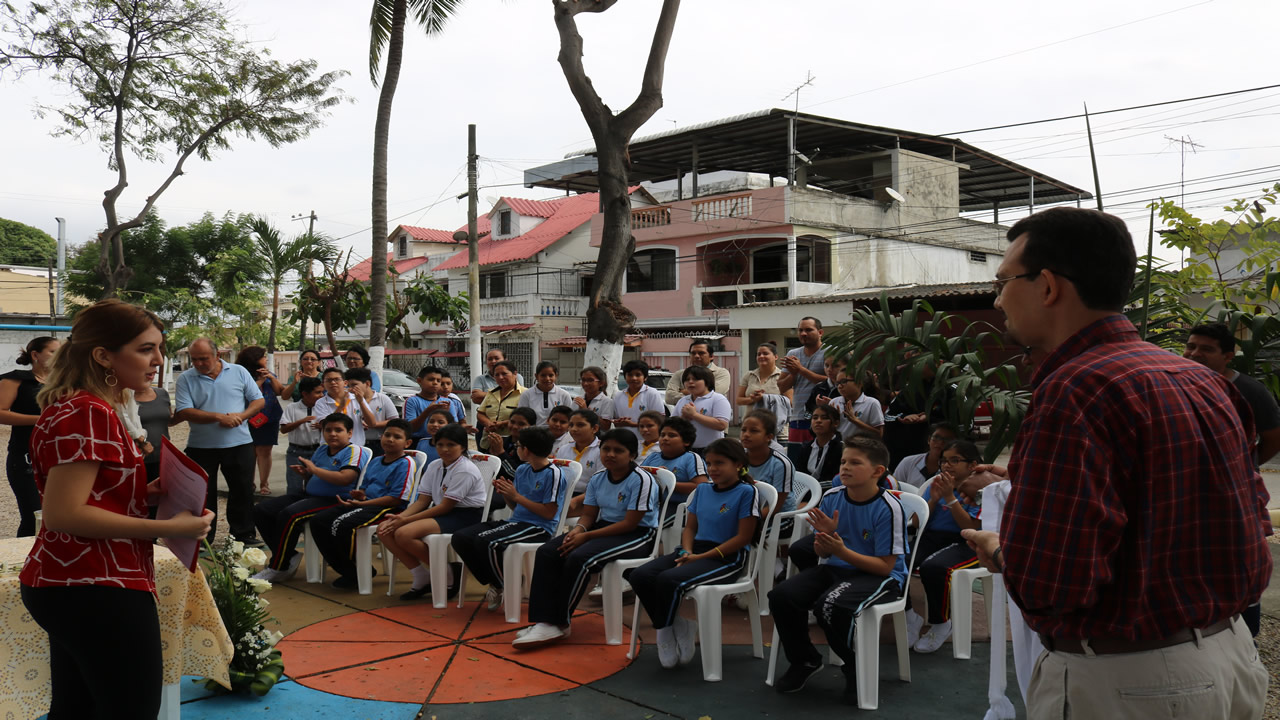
pixel 402 247
pixel 504 223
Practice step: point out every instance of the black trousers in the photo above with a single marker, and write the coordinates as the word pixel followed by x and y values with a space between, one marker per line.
pixel 937 555
pixel 334 531
pixel 238 465
pixel 282 519
pixel 22 480
pixel 481 546
pixel 104 651
pixel 560 582
pixel 835 594
pixel 660 583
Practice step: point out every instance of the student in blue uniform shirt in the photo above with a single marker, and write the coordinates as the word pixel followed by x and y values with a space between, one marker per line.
pixel 385 479
pixel 767 463
pixel 619 520
pixel 536 494
pixel 675 453
pixel 721 520
pixel 330 473
pixel 861 534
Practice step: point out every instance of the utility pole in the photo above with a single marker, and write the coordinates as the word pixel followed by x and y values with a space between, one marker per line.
pixel 302 322
pixel 62 262
pixel 1093 158
pixel 473 262
pixel 53 303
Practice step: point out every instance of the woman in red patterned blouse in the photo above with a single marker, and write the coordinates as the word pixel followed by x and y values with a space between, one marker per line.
pixel 88 580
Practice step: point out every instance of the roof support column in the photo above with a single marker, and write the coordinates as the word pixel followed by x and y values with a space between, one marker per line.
pixel 1033 195
pixel 791 266
pixel 695 169
pixel 791 151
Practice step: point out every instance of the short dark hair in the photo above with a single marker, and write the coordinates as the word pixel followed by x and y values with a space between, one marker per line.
pixel 688 433
pixel 658 416
pixel 454 433
pixel 544 365
pixel 508 365
pixel 307 384
pixel 528 414
pixel 444 373
pixel 634 365
pixel 967 450
pixel 623 437
pixel 363 374
pixel 765 418
pixel 448 416
pixel 944 425
pixel 699 341
pixel 830 413
pixel 1216 331
pixel 328 370
pixel 594 370
pixel 428 370
pixel 699 373
pixel 340 418
pixel 400 424
pixel 729 449
pixel 537 440
pixel 817 324
pixel 873 447
pixel 587 414
pixel 564 410
pixel 1090 248
pixel 359 350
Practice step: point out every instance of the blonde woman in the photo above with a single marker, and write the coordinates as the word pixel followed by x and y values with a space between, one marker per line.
pixel 89 579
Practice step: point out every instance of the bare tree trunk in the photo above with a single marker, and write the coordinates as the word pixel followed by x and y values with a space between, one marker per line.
pixel 381 139
pixel 607 318
pixel 275 315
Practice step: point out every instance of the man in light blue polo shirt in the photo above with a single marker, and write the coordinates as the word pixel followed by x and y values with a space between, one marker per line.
pixel 217 399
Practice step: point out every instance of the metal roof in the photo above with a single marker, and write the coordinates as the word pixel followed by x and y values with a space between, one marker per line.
pixel 900 292
pixel 758 142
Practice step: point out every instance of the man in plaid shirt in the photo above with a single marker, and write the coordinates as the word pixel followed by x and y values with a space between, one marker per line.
pixel 1134 534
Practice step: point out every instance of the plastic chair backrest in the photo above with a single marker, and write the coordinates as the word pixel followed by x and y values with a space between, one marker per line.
pixel 572 471
pixel 769 539
pixel 489 466
pixel 808 494
pixel 915 506
pixel 420 462
pixel 666 486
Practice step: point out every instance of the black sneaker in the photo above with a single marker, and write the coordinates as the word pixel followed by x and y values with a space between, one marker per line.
pixel 346 582
pixel 416 593
pixel 796 676
pixel 453 590
pixel 253 542
pixel 850 696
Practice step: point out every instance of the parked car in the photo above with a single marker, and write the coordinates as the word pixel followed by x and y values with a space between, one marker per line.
pixel 398 386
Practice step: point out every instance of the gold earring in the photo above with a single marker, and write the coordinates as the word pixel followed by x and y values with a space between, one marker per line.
pixel 111 378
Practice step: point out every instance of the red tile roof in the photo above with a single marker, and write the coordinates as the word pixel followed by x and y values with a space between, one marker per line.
pixel 422 234
pixel 364 269
pixel 534 208
pixel 570 213
pixel 482 226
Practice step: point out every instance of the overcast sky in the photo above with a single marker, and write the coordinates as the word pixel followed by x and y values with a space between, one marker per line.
pixel 920 65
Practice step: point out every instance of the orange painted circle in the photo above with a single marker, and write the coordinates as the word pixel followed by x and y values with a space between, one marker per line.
pixel 417 653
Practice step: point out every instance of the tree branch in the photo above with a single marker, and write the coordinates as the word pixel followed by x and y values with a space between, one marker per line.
pixel 650 98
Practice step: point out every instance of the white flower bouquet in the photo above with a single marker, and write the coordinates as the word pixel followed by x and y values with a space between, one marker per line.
pixel 257 665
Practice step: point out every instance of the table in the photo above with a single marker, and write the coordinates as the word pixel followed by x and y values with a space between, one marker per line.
pixel 192 638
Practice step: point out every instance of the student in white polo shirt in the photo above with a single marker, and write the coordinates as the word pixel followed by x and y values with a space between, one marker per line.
pixel 708 410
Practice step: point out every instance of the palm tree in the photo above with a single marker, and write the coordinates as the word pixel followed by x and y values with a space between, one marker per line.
pixel 271 259
pixel 386 31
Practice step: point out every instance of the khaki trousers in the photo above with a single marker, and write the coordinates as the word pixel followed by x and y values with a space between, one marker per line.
pixel 1218 677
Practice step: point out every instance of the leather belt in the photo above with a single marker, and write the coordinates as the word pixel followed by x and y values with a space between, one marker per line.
pixel 1117 646
pixel 296 447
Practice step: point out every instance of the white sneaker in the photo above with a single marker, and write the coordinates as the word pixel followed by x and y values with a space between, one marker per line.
pixel 294 563
pixel 493 599
pixel 597 591
pixel 268 574
pixel 915 624
pixel 539 634
pixel 668 653
pixel 686 637
pixel 740 601
pixel 932 640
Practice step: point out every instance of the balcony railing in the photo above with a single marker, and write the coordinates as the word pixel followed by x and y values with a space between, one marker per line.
pixel 524 308
pixel 729 206
pixel 647 217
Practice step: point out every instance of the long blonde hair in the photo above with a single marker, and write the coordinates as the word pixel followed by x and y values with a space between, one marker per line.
pixel 107 324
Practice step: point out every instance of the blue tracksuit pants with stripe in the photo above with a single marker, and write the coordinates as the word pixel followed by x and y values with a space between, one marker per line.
pixel 559 582
pixel 836 595
pixel 660 583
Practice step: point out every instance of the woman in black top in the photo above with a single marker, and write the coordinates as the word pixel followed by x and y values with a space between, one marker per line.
pixel 18 408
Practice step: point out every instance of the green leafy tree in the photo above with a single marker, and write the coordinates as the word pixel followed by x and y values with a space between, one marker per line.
pixel 334 299
pixel 386 32
pixel 426 299
pixel 22 244
pixel 147 75
pixel 907 348
pixel 270 259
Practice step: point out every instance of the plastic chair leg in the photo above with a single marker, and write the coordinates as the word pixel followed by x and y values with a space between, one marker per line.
pixel 868 671
pixel 462 585
pixel 611 581
pixel 764 581
pixel 904 651
pixel 635 624
pixel 311 557
pixel 438 551
pixel 753 617
pixel 709 636
pixel 774 649
pixel 513 582
pixel 364 560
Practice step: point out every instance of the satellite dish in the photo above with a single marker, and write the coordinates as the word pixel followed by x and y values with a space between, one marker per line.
pixel 893 195
pixel 461 236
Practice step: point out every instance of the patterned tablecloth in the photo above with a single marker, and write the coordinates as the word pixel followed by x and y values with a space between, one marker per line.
pixel 192 637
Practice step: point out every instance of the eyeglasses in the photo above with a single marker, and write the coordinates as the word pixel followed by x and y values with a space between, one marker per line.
pixel 940 438
pixel 999 283
pixel 952 461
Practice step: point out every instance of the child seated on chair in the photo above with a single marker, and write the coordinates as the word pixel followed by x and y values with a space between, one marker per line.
pixel 719 525
pixel 504 448
pixel 436 419
pixel 386 479
pixel 558 423
pixel 331 474
pixel 861 536
pixel 618 521
pixel 941 548
pixel 539 489
pixel 451 497
pixel 674 452
pixel 766 463
pixel 583 447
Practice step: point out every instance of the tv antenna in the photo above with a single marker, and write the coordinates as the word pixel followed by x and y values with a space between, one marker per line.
pixel 808 80
pixel 1185 142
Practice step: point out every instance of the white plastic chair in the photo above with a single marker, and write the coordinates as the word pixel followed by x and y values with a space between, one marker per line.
pixel 867 628
pixel 808 494
pixel 708 598
pixel 365 535
pixel 611 574
pixel 439 547
pixel 962 608
pixel 516 554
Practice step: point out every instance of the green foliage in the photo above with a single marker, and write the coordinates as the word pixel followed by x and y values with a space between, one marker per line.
pixel 22 244
pixel 430 14
pixel 429 301
pixel 910 348
pixel 256 665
